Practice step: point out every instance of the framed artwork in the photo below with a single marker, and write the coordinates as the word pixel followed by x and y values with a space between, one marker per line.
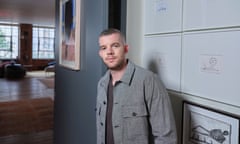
pixel 202 125
pixel 69 53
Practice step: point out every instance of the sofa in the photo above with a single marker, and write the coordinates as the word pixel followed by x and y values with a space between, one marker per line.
pixel 14 71
pixel 2 67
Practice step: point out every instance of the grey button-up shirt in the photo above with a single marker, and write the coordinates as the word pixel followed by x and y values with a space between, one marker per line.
pixel 142 112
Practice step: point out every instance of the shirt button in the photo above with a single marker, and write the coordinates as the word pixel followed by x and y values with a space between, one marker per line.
pixel 116 126
pixel 134 114
pixel 101 124
pixel 104 102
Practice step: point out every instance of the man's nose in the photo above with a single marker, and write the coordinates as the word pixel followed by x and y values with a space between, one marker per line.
pixel 110 50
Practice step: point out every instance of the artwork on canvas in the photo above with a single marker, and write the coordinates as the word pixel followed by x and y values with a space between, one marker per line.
pixel 69 53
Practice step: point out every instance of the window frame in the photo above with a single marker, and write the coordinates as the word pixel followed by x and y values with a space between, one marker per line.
pixel 13 40
pixel 40 39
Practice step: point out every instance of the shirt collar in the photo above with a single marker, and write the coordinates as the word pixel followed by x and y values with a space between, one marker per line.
pixel 128 74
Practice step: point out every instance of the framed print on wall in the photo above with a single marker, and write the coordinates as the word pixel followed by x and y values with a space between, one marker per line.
pixel 69 53
pixel 202 125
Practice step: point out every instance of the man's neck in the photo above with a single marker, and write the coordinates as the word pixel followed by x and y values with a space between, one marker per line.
pixel 117 74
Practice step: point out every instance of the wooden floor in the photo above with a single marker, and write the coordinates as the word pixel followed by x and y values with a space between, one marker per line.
pixel 27 88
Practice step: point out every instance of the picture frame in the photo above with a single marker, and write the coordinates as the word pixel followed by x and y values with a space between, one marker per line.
pixel 202 125
pixel 69 52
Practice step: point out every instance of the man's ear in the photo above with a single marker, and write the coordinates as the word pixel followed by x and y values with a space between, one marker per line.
pixel 126 48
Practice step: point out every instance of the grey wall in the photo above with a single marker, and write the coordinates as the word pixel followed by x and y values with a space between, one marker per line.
pixel 75 91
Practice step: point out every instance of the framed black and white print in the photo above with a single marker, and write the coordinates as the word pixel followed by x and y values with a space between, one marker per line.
pixel 202 125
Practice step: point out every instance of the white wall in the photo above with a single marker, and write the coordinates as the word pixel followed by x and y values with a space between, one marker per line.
pixel 179 40
pixel 134 29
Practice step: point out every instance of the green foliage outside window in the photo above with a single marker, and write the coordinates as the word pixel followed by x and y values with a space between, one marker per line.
pixel 3 41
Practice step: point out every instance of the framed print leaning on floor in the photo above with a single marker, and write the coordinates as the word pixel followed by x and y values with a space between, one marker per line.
pixel 202 125
pixel 69 52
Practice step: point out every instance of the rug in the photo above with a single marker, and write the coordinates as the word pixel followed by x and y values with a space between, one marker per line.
pixel 48 82
pixel 26 116
pixel 39 74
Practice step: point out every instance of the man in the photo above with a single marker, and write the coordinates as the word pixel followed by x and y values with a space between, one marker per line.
pixel 133 106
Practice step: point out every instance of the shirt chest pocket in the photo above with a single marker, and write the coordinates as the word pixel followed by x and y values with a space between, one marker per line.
pixel 134 111
pixel 135 122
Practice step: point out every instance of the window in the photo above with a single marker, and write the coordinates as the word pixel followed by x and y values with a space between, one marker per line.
pixel 9 41
pixel 43 43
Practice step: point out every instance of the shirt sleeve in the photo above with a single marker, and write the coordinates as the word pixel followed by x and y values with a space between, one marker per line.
pixel 160 110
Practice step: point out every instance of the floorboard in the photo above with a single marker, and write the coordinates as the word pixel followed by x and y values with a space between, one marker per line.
pixel 30 87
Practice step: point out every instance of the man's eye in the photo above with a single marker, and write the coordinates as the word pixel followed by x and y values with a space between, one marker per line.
pixel 102 48
pixel 116 45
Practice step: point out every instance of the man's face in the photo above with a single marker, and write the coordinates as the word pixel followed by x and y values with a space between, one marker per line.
pixel 112 51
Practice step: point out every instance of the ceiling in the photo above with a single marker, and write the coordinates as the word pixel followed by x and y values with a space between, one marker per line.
pixel 40 12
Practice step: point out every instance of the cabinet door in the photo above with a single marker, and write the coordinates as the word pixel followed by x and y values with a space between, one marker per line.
pixel 162 55
pixel 204 14
pixel 162 16
pixel 211 65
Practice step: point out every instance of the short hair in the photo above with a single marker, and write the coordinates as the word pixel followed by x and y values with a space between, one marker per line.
pixel 110 31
